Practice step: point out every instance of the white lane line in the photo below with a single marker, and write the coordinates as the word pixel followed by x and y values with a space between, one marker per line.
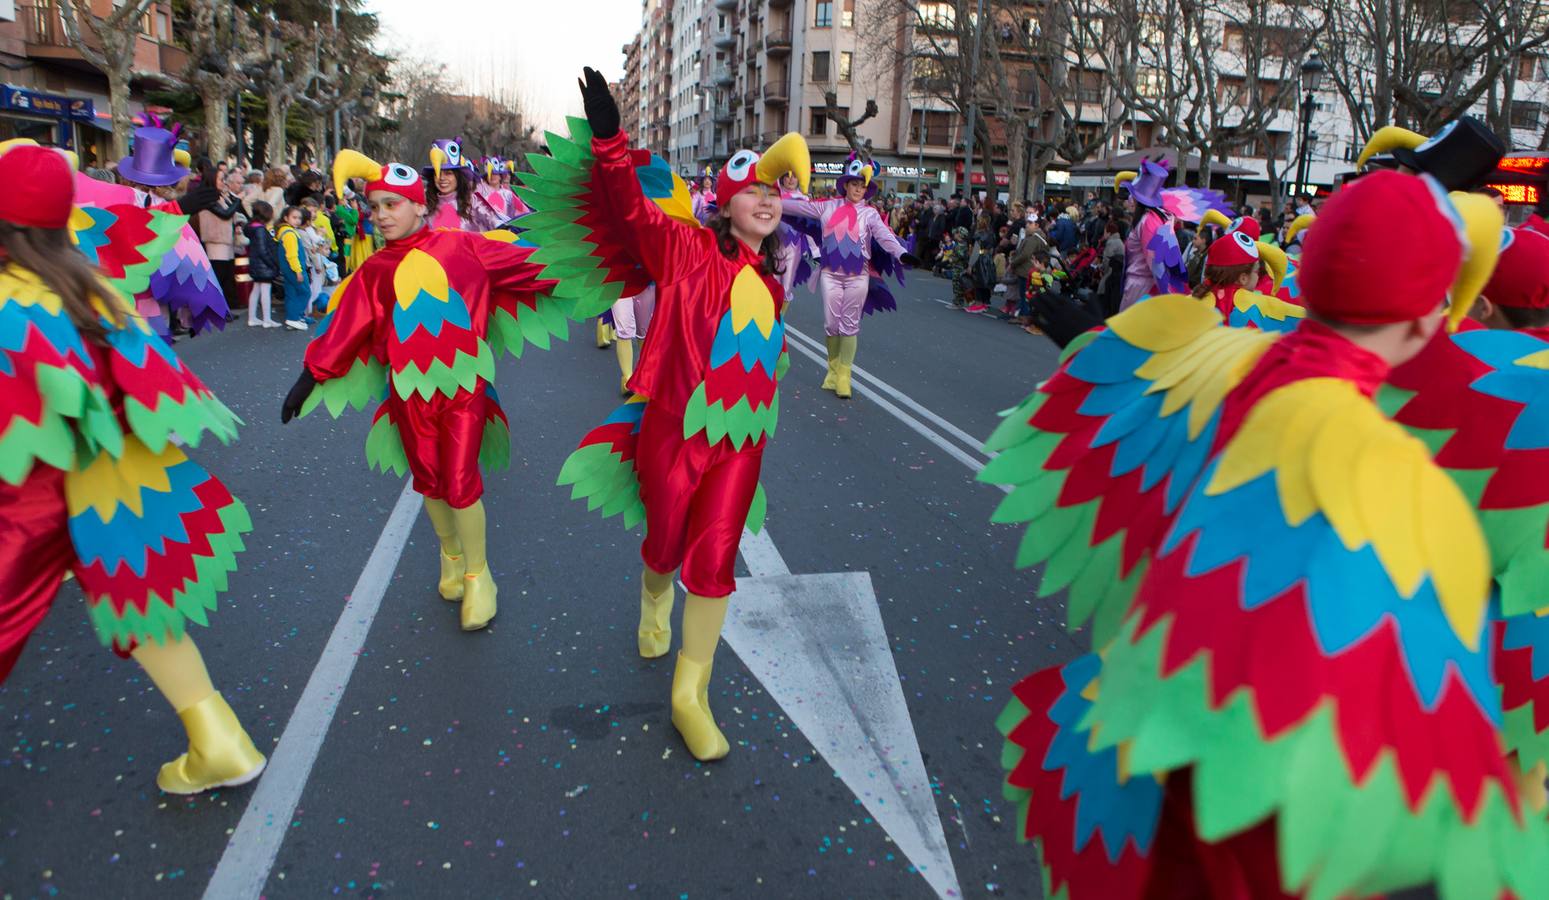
pixel 969 440
pixel 245 866
pixel 925 431
pixel 761 556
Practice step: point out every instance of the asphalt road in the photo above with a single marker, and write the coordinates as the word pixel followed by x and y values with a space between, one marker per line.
pixel 537 758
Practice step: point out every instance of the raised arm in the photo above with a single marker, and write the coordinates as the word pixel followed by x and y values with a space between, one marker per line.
pixel 797 209
pixel 882 234
pixel 664 247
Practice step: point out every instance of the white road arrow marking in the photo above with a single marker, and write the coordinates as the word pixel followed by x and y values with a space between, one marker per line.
pixel 818 645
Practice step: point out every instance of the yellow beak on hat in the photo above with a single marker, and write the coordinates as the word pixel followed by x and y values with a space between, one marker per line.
pixel 1275 261
pixel 788 154
pixel 353 164
pixel 1211 217
pixel 1482 226
pixel 1126 177
pixel 1298 225
pixel 1386 140
pixel 438 159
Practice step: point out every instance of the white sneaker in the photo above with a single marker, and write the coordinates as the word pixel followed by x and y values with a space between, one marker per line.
pixel 296 324
pixel 271 324
pixel 251 323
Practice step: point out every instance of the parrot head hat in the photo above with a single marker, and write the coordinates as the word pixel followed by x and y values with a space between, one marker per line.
pixel 1240 246
pixel 747 168
pixel 1460 156
pixel 857 169
pixel 1145 186
pixel 395 178
pixel 447 153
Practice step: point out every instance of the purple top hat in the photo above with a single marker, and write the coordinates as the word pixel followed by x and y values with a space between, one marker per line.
pixel 453 148
pixel 151 162
pixel 1146 189
pixel 855 170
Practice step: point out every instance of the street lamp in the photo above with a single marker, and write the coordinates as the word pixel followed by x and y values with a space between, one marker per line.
pixel 1312 76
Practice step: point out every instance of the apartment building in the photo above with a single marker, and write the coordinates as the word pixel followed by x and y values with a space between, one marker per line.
pixel 53 95
pixel 631 107
pixel 688 99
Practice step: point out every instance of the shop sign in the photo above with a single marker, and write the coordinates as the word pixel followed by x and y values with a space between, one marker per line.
pixel 55 105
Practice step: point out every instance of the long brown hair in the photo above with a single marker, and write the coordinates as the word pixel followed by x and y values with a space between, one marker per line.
pixel 1220 276
pixel 464 195
pixel 51 255
pixel 727 243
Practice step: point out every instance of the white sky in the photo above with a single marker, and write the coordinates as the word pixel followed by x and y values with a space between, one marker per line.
pixel 532 50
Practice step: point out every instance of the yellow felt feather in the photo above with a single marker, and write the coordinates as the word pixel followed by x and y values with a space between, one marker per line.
pixel 1539 360
pixel 751 302
pixel 338 292
pixel 106 483
pixel 1333 452
pixel 419 271
pixel 1164 322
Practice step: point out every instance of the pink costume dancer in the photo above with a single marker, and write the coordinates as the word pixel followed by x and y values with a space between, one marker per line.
pixel 856 246
pixel 631 317
pixel 450 182
pixel 797 248
pixel 490 194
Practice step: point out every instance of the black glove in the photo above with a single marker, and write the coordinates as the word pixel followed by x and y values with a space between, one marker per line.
pixel 910 260
pixel 602 113
pixel 298 395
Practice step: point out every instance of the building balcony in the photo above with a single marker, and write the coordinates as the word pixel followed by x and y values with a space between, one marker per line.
pixel 776 93
pixel 769 137
pixel 722 114
pixel 778 43
pixel 735 101
pixel 750 97
pixel 723 76
pixel 724 40
pixel 750 53
pixel 725 5
pixel 779 4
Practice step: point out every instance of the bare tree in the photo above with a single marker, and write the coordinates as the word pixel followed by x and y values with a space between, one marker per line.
pixel 288 65
pixel 1421 63
pixel 108 44
pixel 220 45
pixel 849 129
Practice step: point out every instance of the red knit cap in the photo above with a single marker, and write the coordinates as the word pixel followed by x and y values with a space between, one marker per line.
pixel 397 178
pixel 1521 276
pixel 37 188
pixel 1236 248
pixel 1387 249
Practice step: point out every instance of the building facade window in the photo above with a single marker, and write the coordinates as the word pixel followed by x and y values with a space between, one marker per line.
pixel 820 66
pixel 818 125
pixel 823 14
pixel 845 58
pixel 847 14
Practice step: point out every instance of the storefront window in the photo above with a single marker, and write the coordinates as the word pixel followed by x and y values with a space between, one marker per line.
pixel 44 131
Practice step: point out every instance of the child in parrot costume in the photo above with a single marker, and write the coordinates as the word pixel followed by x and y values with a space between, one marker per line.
pixel 798 246
pixel 93 409
pixel 419 326
pixel 493 193
pixel 1153 259
pixel 1291 691
pixel 1233 263
pixel 684 453
pixel 858 249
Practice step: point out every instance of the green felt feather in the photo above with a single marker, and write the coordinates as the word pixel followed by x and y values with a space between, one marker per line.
pixel 365 383
pixel 465 373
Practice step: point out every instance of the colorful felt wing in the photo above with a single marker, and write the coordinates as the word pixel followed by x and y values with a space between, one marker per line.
pixel 1290 286
pixel 1480 400
pixel 185 280
pixel 1165 257
pixel 1103 454
pixel 1251 309
pixel 1521 668
pixel 1326 667
pixel 739 398
pixel 365 382
pixel 1094 824
pixel 384 443
pixel 161 397
pixel 601 470
pixel 578 241
pixel 1190 204
pixel 519 318
pixel 126 243
pixel 51 393
pixel 155 538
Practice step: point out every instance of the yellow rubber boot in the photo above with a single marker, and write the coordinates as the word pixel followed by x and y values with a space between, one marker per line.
pixel 626 354
pixel 478 585
pixel 656 600
pixel 604 335
pixel 702 619
pixel 453 565
pixel 846 363
pixel 220 754
pixel 833 363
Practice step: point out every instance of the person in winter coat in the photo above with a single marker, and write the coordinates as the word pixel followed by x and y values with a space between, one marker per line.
pixel 263 265
pixel 1064 232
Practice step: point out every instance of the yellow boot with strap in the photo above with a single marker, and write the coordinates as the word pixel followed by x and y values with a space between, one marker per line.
pixel 625 350
pixel 220 753
pixel 846 364
pixel 833 362
pixel 656 600
pixel 478 585
pixel 691 716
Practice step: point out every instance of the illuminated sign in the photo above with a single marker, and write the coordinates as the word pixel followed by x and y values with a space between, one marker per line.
pixel 53 105
pixel 1526 164
pixel 1525 194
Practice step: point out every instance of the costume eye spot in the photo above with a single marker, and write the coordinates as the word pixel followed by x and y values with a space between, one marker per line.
pixel 1248 244
pixel 741 164
pixel 401 175
pixel 454 152
pixel 854 168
